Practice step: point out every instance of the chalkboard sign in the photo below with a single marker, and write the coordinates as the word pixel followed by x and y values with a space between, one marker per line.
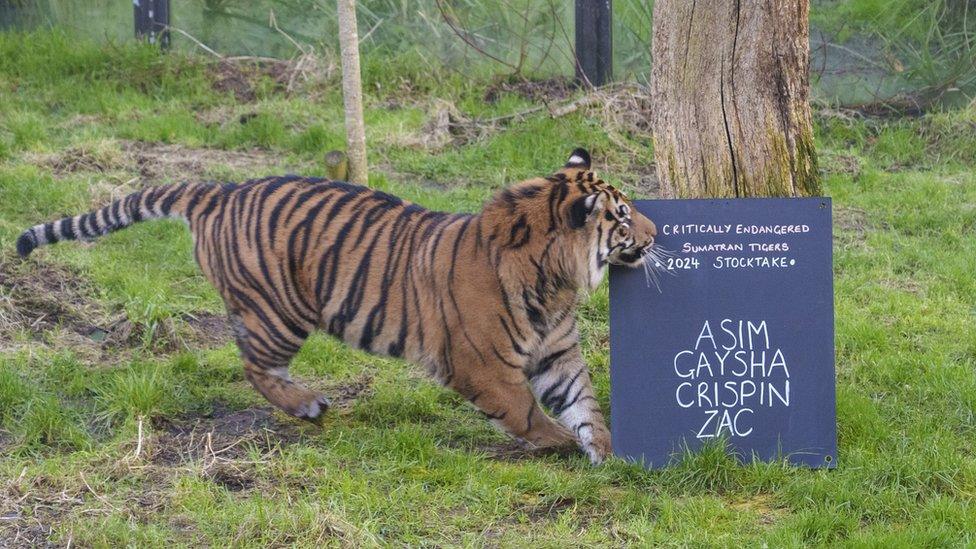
pixel 734 341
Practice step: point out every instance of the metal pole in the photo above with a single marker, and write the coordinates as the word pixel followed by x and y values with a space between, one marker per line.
pixel 594 42
pixel 152 21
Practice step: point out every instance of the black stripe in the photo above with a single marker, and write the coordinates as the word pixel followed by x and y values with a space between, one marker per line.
pixel 535 315
pixel 581 425
pixel 356 292
pixel 511 338
pixel 556 198
pixel 171 198
pixel 332 255
pixel 198 192
pixel 499 356
pixel 457 246
pixel 557 401
pixel 64 225
pixel 520 234
pixel 568 403
pixel 376 319
pixel 308 223
pixel 49 235
pixel 132 207
pixel 450 286
pixel 397 348
pixel 217 199
pixel 548 361
pixel 149 199
pixel 88 225
pixel 273 227
pixel 113 213
pixel 231 250
pixel 317 190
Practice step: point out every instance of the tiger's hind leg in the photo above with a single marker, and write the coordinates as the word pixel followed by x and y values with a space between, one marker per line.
pixel 267 346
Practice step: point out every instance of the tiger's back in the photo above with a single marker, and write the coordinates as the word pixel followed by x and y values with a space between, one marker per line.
pixel 312 253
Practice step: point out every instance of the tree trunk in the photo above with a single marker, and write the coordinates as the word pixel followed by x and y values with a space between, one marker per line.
pixel 352 92
pixel 730 90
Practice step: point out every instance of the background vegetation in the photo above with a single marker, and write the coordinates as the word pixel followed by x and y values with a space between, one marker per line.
pixel 905 54
pixel 125 418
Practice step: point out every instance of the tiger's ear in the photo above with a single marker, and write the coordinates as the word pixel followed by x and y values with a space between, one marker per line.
pixel 585 209
pixel 579 158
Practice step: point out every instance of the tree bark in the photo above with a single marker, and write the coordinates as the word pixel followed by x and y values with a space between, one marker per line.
pixel 352 92
pixel 730 89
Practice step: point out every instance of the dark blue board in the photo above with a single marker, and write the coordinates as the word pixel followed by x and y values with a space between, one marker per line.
pixel 738 341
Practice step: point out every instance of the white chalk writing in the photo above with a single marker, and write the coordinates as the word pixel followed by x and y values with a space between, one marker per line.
pixel 731 371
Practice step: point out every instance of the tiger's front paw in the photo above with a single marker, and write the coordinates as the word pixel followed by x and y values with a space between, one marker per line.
pixel 595 442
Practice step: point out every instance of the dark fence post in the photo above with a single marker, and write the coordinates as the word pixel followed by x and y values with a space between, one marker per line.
pixel 594 42
pixel 152 21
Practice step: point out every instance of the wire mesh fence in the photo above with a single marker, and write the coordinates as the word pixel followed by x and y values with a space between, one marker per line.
pixel 909 55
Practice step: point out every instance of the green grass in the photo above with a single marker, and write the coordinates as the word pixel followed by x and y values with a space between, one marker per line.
pixel 402 461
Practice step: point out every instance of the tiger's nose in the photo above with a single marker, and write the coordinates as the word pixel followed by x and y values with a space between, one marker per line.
pixel 651 232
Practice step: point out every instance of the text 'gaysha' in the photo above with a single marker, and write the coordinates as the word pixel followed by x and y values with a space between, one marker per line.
pixel 729 373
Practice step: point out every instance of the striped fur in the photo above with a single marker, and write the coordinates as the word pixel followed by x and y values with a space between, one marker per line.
pixel 485 302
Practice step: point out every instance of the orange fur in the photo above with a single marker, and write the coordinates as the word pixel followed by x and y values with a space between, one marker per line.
pixel 485 302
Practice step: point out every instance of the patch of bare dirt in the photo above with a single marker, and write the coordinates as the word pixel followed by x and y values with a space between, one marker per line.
pixel 243 76
pixel 509 450
pixel 159 162
pixel 127 165
pixel 841 163
pixel 37 297
pixel 550 89
pixel 232 478
pixel 445 126
pixel 224 435
pixel 852 225
pixel 208 329
pixel 228 446
pixel 99 156
pixel 851 220
pixel 220 436
pixel 29 510
pixel 19 532
pixel 81 120
pixel 40 299
pixel 216 116
pixel 344 395
pixel 548 509
pixel 622 109
pixel 240 79
pixel 403 177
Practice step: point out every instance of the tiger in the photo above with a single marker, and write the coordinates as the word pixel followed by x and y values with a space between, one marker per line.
pixel 485 302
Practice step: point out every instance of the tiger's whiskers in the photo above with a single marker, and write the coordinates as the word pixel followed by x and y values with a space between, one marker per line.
pixel 655 259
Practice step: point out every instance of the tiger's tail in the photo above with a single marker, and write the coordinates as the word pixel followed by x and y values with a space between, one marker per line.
pixel 151 203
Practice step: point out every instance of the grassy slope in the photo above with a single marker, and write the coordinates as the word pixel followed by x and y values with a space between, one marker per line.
pixel 405 461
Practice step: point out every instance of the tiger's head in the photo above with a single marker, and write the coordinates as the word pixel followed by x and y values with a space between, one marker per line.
pixel 605 220
pixel 577 223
